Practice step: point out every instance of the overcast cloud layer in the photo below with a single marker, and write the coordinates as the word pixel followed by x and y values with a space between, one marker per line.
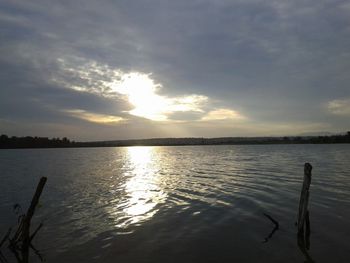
pixel 95 70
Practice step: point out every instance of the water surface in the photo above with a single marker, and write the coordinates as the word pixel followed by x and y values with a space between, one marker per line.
pixel 180 204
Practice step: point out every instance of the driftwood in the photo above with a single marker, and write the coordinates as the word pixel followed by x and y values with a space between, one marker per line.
pixel 20 242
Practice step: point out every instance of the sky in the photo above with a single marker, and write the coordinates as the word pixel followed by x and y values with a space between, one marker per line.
pixel 108 70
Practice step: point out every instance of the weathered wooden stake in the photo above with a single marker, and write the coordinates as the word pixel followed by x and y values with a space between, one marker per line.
pixel 27 219
pixel 304 199
pixel 307 231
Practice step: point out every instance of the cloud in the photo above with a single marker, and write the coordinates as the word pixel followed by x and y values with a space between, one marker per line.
pixel 339 107
pixel 93 117
pixel 223 114
pixel 141 91
pixel 267 61
pixel 29 94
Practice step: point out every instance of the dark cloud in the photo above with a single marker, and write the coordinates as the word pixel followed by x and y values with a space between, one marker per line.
pixel 28 93
pixel 272 61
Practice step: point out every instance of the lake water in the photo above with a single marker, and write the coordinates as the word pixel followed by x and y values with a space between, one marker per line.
pixel 180 204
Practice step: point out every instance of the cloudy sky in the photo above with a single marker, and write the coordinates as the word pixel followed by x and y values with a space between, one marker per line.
pixel 95 70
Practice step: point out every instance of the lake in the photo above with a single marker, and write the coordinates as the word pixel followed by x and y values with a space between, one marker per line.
pixel 180 204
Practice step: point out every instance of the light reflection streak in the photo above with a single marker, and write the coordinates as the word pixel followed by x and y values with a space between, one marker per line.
pixel 142 191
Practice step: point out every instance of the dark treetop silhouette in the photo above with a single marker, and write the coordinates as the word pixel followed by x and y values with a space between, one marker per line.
pixel 7 142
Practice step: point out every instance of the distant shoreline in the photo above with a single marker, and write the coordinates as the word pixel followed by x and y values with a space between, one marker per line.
pixel 29 142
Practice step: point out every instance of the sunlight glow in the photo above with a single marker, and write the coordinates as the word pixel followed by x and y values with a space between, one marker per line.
pixel 138 90
pixel 142 93
pixel 94 117
pixel 142 188
pixel 223 114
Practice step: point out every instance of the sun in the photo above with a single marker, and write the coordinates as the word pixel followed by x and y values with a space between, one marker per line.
pixel 141 91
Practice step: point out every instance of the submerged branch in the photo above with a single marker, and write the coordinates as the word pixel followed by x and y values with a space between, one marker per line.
pixel 273 230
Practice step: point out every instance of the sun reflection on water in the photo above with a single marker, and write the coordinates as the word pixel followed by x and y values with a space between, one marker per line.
pixel 142 188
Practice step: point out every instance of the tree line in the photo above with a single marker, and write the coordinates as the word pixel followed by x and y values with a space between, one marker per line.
pixel 33 142
pixel 7 142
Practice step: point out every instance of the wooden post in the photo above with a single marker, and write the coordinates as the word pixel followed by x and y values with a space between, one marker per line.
pixel 27 219
pixel 304 199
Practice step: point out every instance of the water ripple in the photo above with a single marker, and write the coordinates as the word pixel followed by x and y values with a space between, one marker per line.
pixel 177 192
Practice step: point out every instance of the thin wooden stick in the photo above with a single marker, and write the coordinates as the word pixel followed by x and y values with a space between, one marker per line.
pixel 18 232
pixel 37 252
pixel 273 230
pixel 27 220
pixel 5 237
pixel 36 231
